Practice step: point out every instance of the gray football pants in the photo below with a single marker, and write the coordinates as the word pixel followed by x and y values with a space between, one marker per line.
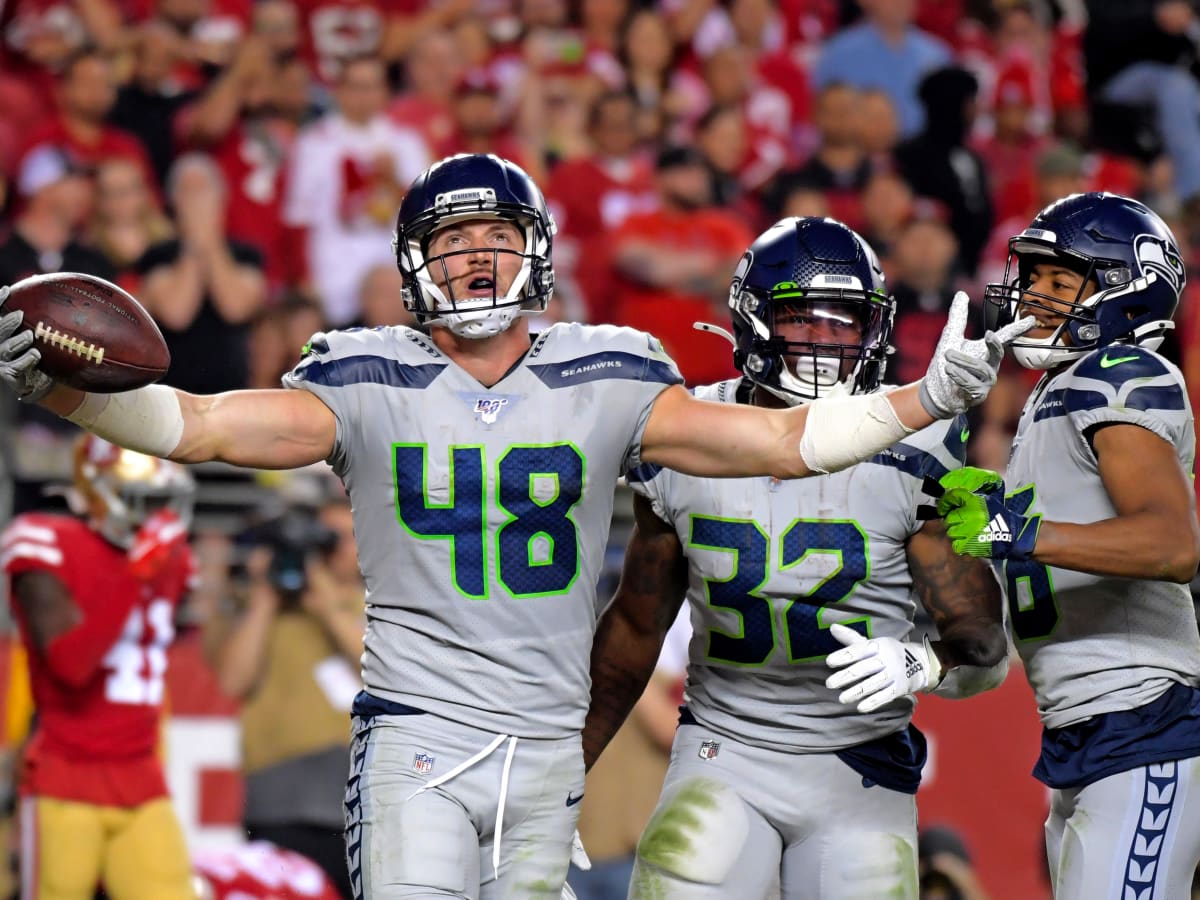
pixel 1134 835
pixel 738 824
pixel 497 828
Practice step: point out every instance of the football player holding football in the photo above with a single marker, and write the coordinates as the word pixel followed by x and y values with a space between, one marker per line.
pixel 95 597
pixel 480 459
pixel 783 773
pixel 1096 538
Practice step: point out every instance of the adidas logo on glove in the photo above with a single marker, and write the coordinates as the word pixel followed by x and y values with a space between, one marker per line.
pixel 997 530
pixel 912 665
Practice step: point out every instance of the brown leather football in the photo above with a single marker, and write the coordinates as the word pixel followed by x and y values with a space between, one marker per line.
pixel 92 335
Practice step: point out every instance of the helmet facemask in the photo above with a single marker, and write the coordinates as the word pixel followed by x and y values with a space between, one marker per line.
pixel 1125 255
pixel 798 372
pixel 476 316
pixel 1110 314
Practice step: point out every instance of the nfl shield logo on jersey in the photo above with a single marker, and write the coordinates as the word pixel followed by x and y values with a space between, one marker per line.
pixel 487 408
pixel 709 749
pixel 422 763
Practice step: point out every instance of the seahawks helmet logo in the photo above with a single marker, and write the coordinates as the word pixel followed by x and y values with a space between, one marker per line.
pixel 1155 255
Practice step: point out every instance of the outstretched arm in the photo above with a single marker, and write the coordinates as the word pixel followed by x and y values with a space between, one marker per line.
pixel 831 433
pixel 630 635
pixel 267 429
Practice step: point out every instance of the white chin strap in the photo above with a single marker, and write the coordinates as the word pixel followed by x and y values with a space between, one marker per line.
pixel 478 318
pixel 479 324
pixel 1045 353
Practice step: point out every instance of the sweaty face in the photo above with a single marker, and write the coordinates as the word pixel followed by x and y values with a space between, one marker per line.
pixel 1059 288
pixel 476 259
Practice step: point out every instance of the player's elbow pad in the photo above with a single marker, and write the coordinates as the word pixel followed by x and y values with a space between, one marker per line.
pixel 967 681
pixel 841 431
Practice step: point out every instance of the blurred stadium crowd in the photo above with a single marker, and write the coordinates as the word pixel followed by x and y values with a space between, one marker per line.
pixel 237 166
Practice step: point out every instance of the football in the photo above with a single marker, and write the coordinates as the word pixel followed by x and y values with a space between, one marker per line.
pixel 92 335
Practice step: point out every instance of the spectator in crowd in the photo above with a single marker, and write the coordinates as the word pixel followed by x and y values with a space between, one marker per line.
pixel 247 120
pixel 939 165
pixel 432 73
pixel 126 219
pixel 648 55
pixel 277 23
pixel 803 200
pixel 884 51
pixel 878 124
pixel 921 273
pixel 211 31
pixel 275 335
pixel 732 82
pixel 55 193
pixel 380 301
pixel 888 205
pixel 1009 152
pixel 762 28
pixel 1058 171
pixel 594 193
pixel 1137 53
pixel 95 597
pixel 346 178
pixel 292 657
pixel 38 39
pixel 152 94
pixel 724 140
pixel 481 124
pixel 674 264
pixel 201 287
pixel 840 166
pixel 86 91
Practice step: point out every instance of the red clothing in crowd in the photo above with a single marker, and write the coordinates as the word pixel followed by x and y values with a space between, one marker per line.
pixel 667 312
pixel 589 198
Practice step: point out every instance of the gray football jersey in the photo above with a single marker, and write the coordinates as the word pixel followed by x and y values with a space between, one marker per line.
pixel 481 514
pixel 1093 644
pixel 772 564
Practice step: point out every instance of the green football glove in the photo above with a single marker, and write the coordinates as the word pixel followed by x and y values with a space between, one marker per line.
pixel 983 525
pixel 970 478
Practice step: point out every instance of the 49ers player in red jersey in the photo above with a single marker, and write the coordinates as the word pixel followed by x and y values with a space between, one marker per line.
pixel 95 600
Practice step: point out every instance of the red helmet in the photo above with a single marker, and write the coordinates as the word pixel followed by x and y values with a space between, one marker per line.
pixel 119 489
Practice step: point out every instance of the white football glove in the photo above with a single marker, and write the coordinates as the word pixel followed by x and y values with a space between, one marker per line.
pixel 962 372
pixel 879 670
pixel 19 359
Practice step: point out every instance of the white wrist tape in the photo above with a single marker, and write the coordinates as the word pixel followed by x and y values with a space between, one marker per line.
pixel 842 431
pixel 148 420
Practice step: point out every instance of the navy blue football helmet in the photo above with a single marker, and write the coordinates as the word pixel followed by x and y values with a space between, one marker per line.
pixel 1127 256
pixel 811 270
pixel 460 188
